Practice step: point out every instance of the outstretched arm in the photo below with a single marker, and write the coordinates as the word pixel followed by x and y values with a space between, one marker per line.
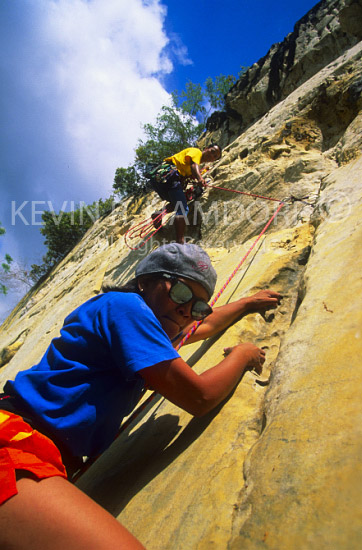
pixel 196 173
pixel 224 316
pixel 200 393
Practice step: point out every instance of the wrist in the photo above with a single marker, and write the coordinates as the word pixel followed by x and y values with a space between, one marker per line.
pixel 245 305
pixel 237 359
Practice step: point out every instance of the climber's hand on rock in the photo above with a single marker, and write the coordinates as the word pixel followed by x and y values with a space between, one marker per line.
pixel 262 301
pixel 252 356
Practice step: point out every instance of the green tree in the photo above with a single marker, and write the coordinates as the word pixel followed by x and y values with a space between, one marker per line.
pixel 125 181
pixel 176 127
pixel 173 130
pixel 217 89
pixel 5 267
pixel 199 101
pixel 64 230
pixel 191 100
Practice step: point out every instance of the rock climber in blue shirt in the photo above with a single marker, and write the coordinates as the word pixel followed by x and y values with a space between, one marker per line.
pixel 72 402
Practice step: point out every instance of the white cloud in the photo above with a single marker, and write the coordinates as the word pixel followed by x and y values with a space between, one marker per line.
pixel 79 78
pixel 96 63
pixel 180 50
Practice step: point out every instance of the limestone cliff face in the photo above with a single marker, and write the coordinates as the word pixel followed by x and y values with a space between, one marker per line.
pixel 279 465
pixel 321 36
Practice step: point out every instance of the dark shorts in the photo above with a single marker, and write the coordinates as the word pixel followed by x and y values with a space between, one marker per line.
pixel 171 190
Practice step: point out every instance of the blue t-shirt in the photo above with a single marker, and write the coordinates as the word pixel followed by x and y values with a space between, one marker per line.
pixel 88 379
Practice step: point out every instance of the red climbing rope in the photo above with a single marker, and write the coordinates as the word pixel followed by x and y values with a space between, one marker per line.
pixel 148 227
pixel 242 193
pixel 144 230
pixel 198 323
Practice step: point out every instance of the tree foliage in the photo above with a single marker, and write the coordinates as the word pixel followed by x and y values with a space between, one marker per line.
pixel 176 127
pixel 64 230
pixel 125 181
pixel 173 130
pixel 5 267
pixel 199 101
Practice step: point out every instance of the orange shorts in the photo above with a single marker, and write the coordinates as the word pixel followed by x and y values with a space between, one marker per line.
pixel 23 448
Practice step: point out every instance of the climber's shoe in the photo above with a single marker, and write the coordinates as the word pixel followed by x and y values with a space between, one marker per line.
pixel 156 219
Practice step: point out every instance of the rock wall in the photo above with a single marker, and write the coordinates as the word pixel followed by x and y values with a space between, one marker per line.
pixel 322 35
pixel 278 465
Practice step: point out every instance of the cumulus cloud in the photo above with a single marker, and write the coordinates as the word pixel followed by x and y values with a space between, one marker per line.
pixel 91 68
pixel 79 78
pixel 108 56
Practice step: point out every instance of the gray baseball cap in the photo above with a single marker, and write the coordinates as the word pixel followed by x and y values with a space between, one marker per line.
pixel 185 260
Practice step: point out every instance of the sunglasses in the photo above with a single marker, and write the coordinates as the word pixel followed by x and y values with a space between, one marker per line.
pixel 181 293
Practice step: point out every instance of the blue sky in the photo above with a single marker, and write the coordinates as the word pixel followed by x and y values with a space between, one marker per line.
pixel 80 77
pixel 223 36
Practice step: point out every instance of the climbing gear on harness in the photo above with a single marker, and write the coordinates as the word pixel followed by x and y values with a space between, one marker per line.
pixel 162 173
pixel 193 193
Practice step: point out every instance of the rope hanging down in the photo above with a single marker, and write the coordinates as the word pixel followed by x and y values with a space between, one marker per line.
pixel 242 193
pixel 148 227
pixel 193 329
pixel 144 230
pixel 198 323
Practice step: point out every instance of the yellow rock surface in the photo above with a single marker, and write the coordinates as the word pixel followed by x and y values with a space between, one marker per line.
pixel 305 472
pixel 278 465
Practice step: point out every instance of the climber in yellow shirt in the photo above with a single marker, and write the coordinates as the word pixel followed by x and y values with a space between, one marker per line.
pixel 169 181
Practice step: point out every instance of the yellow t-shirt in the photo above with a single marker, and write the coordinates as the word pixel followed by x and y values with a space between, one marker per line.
pixel 184 159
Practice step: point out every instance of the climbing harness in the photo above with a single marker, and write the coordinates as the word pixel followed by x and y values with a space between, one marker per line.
pixel 161 173
pixel 164 174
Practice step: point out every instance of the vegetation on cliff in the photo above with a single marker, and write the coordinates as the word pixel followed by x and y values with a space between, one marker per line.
pixel 5 266
pixel 64 230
